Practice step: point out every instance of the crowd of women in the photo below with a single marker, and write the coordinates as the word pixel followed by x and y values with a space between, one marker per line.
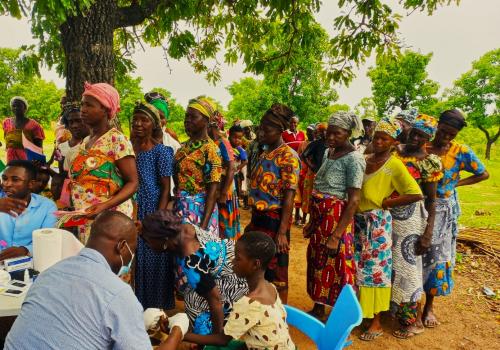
pixel 380 197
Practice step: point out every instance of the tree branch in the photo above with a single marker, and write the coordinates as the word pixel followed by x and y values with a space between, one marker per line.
pixel 485 131
pixel 136 13
pixel 494 138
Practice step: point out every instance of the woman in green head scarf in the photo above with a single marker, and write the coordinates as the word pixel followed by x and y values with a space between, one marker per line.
pixel 198 169
pixel 159 101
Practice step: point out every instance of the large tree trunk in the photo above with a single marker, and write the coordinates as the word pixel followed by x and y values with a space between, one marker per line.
pixel 88 46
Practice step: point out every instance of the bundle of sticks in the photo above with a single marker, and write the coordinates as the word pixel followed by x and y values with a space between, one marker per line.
pixel 486 240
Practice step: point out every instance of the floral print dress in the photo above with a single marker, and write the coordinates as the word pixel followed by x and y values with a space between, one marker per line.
pixel 209 267
pixel 196 164
pixel 95 177
pixel 438 261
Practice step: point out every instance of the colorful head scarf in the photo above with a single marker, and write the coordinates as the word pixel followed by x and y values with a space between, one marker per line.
pixel 150 111
pixel 246 123
pixel 408 115
pixel 278 116
pixel 311 127
pixel 162 106
pixel 427 124
pixel 391 127
pixel 159 101
pixel 19 98
pixel 321 126
pixel 106 95
pixel 69 107
pixel 217 120
pixel 204 105
pixel 347 121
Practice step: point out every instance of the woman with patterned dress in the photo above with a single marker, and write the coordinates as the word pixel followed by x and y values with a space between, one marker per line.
pixel 373 224
pixel 206 261
pixel 227 198
pixel 15 127
pixel 438 260
pixel 336 195
pixel 412 226
pixel 197 169
pixel 273 182
pixel 103 173
pixel 154 272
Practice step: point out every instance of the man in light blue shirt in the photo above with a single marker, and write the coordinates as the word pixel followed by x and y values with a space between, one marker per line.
pixel 81 303
pixel 23 211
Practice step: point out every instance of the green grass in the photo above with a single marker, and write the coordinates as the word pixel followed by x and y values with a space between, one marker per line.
pixel 476 199
pixel 484 198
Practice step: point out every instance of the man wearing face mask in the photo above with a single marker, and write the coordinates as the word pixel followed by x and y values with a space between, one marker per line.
pixel 81 303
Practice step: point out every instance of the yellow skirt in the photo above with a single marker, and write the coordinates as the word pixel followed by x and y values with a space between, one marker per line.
pixel 374 300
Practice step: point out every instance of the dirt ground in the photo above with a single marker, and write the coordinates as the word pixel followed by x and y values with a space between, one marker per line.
pixel 468 319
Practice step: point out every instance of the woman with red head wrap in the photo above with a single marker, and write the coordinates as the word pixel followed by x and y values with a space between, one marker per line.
pixel 103 172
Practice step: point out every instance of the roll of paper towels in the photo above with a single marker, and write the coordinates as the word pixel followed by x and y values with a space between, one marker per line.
pixel 51 245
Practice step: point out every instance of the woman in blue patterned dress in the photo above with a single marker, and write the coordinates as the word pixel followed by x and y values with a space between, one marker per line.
pixel 207 263
pixel 439 259
pixel 154 274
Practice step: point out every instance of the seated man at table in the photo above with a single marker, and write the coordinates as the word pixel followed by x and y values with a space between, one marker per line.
pixel 81 303
pixel 22 212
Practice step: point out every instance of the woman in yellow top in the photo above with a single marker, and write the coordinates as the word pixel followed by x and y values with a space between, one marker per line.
pixel 198 168
pixel 384 175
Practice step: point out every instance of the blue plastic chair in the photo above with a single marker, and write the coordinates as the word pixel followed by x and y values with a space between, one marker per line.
pixel 346 315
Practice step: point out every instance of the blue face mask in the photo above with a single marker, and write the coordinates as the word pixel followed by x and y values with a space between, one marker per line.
pixel 125 269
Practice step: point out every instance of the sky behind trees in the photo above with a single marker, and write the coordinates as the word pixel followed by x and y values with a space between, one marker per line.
pixel 456 34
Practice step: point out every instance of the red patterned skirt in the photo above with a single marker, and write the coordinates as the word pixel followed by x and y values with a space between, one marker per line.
pixel 327 274
pixel 269 222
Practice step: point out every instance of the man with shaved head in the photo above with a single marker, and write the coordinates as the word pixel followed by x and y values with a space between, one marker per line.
pixel 81 303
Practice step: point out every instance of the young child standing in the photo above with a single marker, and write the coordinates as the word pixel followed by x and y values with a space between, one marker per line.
pixel 258 319
pixel 240 159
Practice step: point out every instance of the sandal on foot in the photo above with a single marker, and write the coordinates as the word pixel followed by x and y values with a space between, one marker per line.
pixel 369 336
pixel 403 333
pixel 431 323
